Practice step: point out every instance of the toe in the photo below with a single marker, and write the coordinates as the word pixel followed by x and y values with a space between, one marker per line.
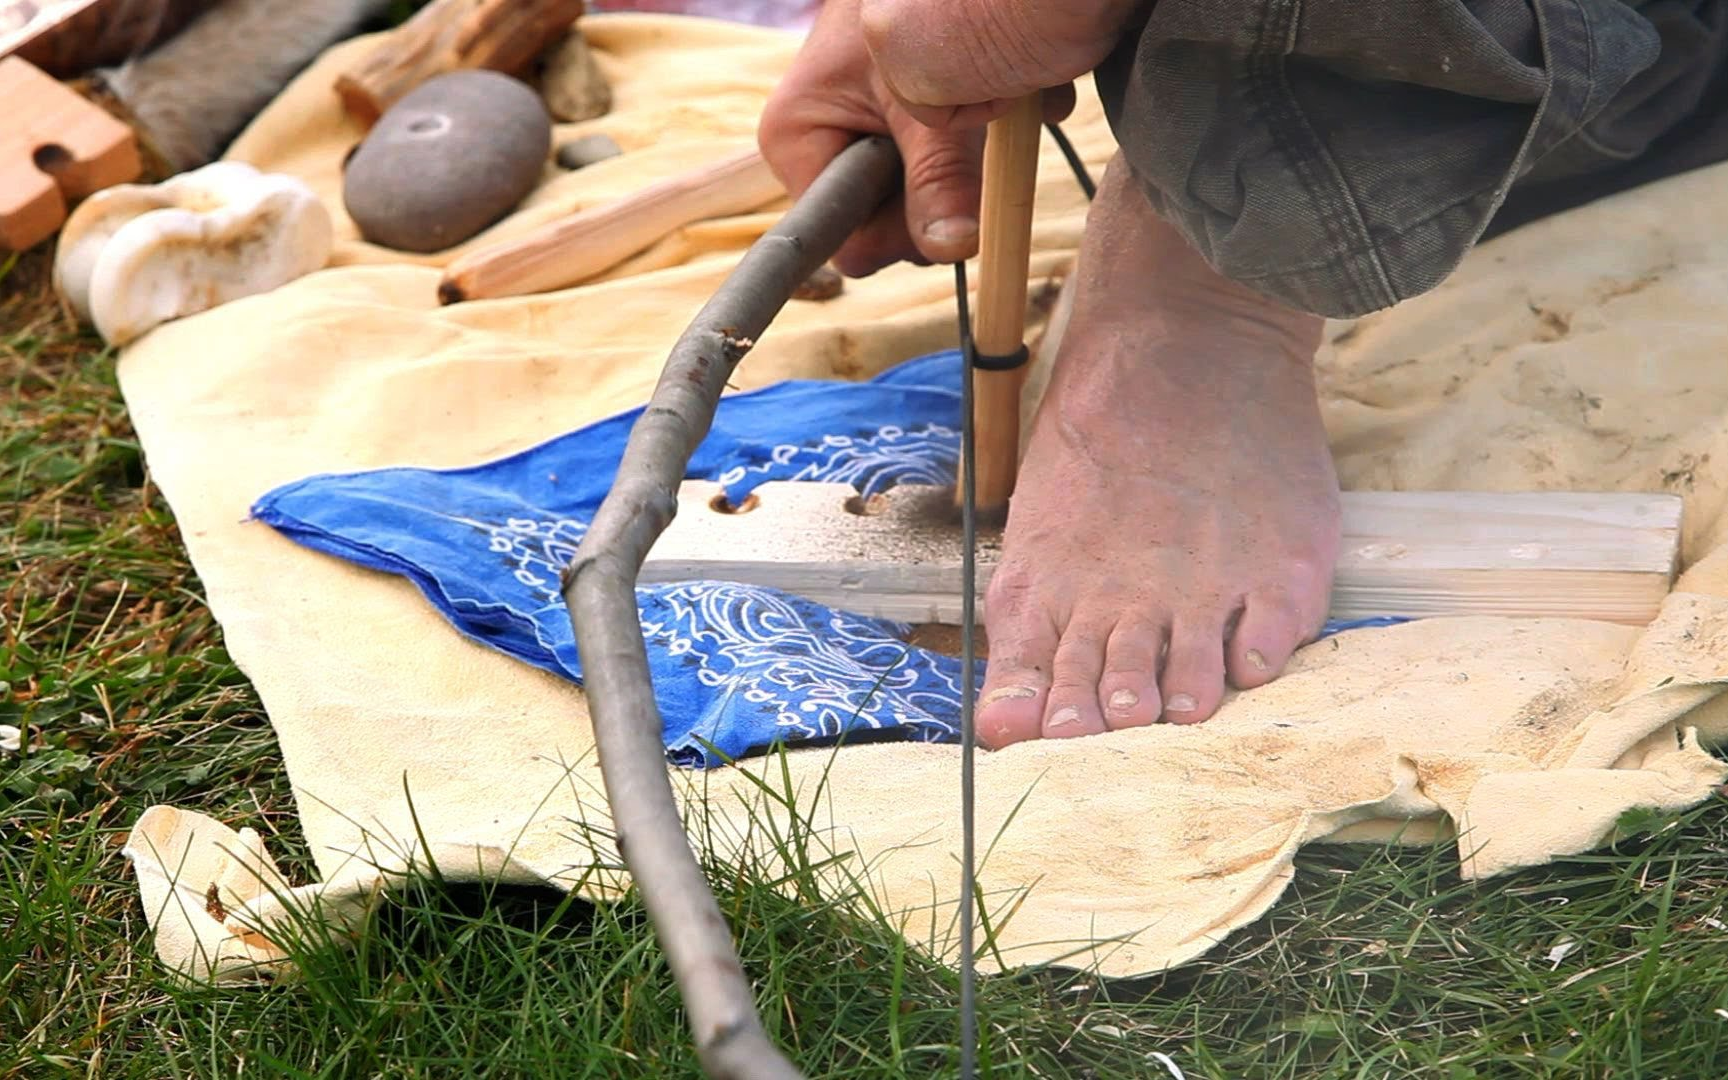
pixel 1128 691
pixel 1016 679
pixel 1073 706
pixel 1270 630
pixel 1193 682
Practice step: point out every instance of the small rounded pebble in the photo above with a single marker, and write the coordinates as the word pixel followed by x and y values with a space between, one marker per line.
pixel 587 150
pixel 825 284
pixel 451 158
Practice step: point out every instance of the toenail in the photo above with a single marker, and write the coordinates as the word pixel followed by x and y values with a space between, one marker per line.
pixel 1008 693
pixel 1124 699
pixel 1255 660
pixel 1065 717
pixel 1182 703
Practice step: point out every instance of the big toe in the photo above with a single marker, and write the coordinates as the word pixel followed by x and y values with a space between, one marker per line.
pixel 1270 630
pixel 1011 712
pixel 1016 681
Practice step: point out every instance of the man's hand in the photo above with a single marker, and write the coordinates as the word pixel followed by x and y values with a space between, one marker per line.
pixel 930 75
pixel 831 96
pixel 959 64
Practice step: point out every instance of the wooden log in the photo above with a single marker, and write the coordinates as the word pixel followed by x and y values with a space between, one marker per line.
pixel 566 252
pixel 1610 557
pixel 999 318
pixel 55 148
pixel 450 35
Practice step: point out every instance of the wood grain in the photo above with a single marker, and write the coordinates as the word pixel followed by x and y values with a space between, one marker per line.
pixel 1595 556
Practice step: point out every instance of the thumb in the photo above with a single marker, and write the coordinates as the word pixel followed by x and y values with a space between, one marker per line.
pixel 944 183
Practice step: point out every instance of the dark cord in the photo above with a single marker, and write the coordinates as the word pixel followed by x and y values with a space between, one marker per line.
pixel 968 617
pixel 1080 174
pixel 968 630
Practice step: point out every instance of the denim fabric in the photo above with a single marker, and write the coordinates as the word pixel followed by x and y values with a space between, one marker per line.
pixel 1343 155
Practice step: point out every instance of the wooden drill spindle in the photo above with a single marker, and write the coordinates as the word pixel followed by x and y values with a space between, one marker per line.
pixel 999 315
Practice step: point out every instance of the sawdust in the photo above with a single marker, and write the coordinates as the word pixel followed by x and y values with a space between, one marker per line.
pixel 926 527
pixel 944 639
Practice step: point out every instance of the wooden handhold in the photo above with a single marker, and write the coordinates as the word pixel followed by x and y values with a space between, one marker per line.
pixel 450 35
pixel 55 148
pixel 1609 557
pixel 568 251
pixel 999 326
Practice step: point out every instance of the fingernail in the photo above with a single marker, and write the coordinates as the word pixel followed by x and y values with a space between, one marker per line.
pixel 1065 717
pixel 1181 703
pixel 1255 660
pixel 1124 699
pixel 1008 693
pixel 954 230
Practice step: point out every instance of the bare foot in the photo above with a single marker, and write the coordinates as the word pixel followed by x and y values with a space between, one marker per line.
pixel 1175 521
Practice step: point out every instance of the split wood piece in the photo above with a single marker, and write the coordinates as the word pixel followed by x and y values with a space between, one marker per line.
pixel 1608 557
pixel 451 35
pixel 566 252
pixel 999 319
pixel 55 148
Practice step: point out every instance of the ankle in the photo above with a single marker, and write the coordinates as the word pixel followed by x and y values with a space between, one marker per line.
pixel 1136 268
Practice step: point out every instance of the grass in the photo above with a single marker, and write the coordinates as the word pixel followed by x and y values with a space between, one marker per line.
pixel 1377 963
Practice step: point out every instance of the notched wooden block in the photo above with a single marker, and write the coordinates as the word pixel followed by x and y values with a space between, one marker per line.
pixel 55 148
pixel 1609 557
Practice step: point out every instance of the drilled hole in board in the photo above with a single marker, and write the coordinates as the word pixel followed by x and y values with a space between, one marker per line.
pixel 51 158
pixel 719 505
pixel 867 506
pixel 945 639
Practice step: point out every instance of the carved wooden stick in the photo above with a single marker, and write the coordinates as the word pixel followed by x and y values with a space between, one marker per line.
pixel 599 588
pixel 563 253
pixel 999 320
pixel 450 35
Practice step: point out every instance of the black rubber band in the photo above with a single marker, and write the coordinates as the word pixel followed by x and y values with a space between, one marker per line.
pixel 1015 359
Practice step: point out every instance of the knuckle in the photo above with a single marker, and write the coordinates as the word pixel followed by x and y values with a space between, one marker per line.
pixel 1140 666
pixel 945 165
pixel 1009 591
pixel 878 19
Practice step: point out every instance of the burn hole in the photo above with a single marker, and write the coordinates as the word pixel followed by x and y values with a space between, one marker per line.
pixel 867 506
pixel 721 505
